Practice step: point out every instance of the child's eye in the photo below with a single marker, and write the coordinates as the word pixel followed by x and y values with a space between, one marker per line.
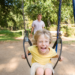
pixel 46 41
pixel 40 41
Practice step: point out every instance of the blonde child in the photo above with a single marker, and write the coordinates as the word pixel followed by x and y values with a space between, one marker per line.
pixel 41 53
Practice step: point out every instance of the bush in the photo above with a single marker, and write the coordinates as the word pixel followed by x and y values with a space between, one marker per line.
pixel 52 28
pixel 71 32
pixel 67 31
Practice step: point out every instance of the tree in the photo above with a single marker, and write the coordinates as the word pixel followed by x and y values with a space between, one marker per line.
pixel 49 10
pixel 10 13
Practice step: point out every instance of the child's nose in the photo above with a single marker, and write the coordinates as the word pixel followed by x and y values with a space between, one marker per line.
pixel 43 43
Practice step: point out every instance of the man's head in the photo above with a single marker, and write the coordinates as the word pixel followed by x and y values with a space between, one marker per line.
pixel 39 16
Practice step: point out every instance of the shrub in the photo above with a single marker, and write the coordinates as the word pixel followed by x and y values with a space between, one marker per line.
pixel 52 28
pixel 71 31
pixel 67 31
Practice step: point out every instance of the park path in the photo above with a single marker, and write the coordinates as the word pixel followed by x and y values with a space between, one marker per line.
pixel 12 64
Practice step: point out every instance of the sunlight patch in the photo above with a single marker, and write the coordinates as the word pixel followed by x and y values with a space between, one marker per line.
pixel 2 67
pixel 12 65
pixel 10 47
pixel 2 34
pixel 72 44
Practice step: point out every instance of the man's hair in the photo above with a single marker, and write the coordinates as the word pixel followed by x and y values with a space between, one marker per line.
pixel 40 15
pixel 38 33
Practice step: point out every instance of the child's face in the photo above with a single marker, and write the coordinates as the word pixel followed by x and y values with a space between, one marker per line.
pixel 43 44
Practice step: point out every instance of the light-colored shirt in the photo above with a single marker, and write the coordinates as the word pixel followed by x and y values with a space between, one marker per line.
pixel 41 59
pixel 38 25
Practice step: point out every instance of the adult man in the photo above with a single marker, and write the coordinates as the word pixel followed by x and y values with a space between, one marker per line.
pixel 37 24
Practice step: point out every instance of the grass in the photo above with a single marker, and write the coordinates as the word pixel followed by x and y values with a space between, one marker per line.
pixel 6 35
pixel 66 42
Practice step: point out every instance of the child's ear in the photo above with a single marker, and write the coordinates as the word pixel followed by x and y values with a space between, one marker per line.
pixel 36 45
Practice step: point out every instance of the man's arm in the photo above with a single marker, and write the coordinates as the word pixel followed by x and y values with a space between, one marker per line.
pixel 42 27
pixel 32 29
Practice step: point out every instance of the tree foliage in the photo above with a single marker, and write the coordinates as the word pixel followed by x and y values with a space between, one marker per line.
pixel 49 10
pixel 11 12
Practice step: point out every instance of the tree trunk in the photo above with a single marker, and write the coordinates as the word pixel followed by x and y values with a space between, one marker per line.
pixel 11 28
pixel 48 21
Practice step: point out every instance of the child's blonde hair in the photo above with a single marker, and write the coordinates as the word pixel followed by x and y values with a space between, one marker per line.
pixel 41 32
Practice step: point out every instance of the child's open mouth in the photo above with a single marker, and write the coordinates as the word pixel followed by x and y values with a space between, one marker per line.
pixel 43 48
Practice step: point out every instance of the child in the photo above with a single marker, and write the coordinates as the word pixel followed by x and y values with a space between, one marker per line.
pixel 41 53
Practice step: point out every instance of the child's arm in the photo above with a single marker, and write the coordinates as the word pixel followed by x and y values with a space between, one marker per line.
pixel 55 56
pixel 23 56
pixel 61 58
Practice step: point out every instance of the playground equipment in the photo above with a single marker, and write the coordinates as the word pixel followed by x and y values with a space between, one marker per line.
pixel 58 40
pixel 73 1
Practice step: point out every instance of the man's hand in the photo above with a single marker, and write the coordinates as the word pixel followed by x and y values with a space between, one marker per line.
pixel 30 35
pixel 32 29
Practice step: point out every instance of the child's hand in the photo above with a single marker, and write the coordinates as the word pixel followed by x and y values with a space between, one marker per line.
pixel 23 56
pixel 61 58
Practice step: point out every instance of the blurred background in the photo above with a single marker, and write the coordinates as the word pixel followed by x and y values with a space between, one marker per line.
pixel 11 16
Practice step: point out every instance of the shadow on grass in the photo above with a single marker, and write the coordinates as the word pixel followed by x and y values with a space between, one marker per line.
pixel 68 42
pixel 5 38
pixel 6 35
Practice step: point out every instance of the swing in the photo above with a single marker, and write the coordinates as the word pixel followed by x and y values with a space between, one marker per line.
pixel 73 1
pixel 59 40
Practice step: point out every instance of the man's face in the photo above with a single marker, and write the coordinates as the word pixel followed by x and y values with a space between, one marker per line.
pixel 39 17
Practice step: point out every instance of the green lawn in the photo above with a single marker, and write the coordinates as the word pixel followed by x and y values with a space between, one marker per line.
pixel 68 42
pixel 6 35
